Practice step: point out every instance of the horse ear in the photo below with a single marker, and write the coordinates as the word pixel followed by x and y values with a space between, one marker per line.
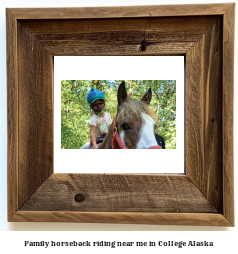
pixel 121 93
pixel 147 97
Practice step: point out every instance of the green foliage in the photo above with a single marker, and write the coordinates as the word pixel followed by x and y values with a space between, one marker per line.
pixel 76 114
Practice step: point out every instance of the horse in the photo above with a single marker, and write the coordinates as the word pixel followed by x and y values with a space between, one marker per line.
pixel 134 124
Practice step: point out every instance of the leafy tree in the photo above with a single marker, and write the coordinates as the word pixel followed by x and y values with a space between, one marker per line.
pixel 76 113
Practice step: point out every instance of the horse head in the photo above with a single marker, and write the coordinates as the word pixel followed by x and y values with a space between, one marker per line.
pixel 134 124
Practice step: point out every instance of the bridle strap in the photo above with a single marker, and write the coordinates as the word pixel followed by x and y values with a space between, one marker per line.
pixel 116 136
pixel 154 147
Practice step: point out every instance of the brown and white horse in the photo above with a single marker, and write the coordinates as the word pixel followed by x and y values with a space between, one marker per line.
pixel 134 124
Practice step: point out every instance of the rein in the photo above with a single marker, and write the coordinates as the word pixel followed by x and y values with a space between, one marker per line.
pixel 119 141
pixel 116 136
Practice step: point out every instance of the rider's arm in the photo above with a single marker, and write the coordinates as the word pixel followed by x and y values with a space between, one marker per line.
pixel 93 129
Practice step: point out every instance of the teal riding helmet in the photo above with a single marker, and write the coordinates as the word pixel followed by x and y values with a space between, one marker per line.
pixel 94 95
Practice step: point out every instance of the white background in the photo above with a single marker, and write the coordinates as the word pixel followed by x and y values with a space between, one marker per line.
pixel 119 68
pixel 13 241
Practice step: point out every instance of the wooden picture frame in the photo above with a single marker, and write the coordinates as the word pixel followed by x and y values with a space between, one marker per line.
pixel 204 34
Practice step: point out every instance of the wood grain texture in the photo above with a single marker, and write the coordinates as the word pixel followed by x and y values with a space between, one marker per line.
pixel 121 11
pixel 50 29
pixel 140 193
pixel 227 113
pixel 203 142
pixel 192 219
pixel 35 101
pixel 72 48
pixel 174 36
pixel 12 115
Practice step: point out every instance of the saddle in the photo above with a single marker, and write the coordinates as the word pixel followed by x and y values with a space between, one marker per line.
pixel 100 139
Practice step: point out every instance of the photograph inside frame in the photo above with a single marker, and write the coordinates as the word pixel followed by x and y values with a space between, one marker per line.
pixel 118 114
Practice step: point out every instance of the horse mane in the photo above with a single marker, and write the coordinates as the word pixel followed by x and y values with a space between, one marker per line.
pixel 131 109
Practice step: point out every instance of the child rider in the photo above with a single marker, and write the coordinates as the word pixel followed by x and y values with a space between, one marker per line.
pixel 100 120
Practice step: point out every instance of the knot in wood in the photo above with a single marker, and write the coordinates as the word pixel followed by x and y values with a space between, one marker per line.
pixel 143 46
pixel 79 198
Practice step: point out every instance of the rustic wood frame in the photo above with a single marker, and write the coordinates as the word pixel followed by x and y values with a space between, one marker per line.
pixel 204 34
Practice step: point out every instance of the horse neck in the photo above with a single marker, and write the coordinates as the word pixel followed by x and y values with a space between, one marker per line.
pixel 107 142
